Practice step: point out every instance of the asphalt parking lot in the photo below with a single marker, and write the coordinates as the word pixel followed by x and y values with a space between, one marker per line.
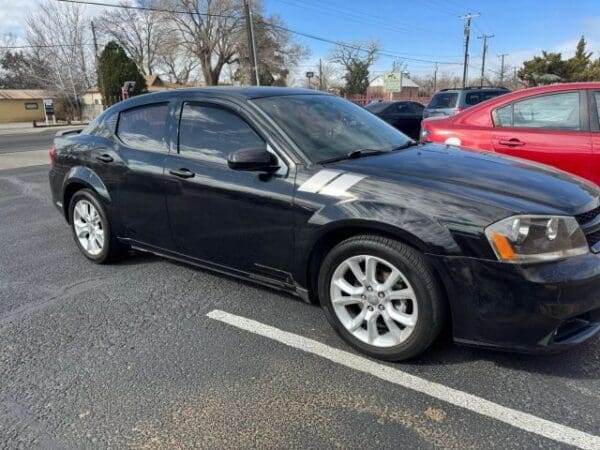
pixel 140 355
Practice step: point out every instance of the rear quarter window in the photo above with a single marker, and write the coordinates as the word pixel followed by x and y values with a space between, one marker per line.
pixel 144 127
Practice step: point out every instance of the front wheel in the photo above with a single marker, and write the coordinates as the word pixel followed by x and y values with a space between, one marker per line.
pixel 381 297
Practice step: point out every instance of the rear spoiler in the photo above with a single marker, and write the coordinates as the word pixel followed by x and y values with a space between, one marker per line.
pixel 65 133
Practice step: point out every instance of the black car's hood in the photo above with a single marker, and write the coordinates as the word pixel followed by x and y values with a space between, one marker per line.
pixel 513 182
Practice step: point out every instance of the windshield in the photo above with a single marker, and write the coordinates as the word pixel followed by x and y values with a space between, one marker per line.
pixel 443 100
pixel 376 108
pixel 325 127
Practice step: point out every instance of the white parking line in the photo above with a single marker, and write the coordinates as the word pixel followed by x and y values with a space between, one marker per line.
pixel 517 419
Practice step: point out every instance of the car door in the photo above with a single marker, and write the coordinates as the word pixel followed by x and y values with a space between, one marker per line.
pixel 414 118
pixel 594 102
pixel 141 149
pixel 240 220
pixel 551 128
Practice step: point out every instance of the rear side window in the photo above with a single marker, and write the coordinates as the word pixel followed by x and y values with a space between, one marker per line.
pixel 144 127
pixel 552 112
pixel 503 116
pixel 212 133
pixel 443 100
pixel 597 97
pixel 472 98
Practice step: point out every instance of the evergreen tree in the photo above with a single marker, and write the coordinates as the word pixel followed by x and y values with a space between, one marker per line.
pixel 114 69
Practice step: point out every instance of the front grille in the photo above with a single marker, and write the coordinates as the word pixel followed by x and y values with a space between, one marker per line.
pixel 587 216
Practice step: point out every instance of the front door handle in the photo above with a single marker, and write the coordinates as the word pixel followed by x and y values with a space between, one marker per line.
pixel 514 142
pixel 105 158
pixel 182 173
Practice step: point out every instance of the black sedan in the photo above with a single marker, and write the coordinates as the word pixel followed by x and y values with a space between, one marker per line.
pixel 405 116
pixel 313 195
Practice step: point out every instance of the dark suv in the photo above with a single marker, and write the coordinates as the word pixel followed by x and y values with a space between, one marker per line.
pixel 448 102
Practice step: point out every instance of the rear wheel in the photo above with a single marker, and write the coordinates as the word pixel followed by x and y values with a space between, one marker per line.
pixel 91 228
pixel 381 297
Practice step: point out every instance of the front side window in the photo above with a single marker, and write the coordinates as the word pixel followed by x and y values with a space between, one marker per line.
pixel 212 133
pixel 549 112
pixel 325 127
pixel 144 127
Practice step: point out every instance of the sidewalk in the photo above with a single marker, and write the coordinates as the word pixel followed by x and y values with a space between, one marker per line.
pixel 27 127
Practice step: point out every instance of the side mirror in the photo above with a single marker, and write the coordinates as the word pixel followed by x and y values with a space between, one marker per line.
pixel 257 159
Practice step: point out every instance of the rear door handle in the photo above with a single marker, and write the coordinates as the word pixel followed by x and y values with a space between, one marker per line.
pixel 105 158
pixel 182 173
pixel 511 142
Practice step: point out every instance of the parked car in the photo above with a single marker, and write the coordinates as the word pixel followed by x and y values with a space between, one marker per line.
pixel 405 116
pixel 313 195
pixel 556 125
pixel 448 102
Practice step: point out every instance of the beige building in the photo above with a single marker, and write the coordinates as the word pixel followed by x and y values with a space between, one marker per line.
pixel 22 105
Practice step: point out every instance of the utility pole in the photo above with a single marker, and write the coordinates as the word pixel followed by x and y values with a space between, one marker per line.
pixel 502 68
pixel 468 18
pixel 435 78
pixel 320 74
pixel 485 38
pixel 251 43
pixel 97 60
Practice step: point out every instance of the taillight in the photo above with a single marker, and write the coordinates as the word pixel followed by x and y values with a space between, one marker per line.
pixel 52 154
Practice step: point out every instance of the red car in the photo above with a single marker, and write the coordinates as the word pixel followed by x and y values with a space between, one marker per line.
pixel 556 125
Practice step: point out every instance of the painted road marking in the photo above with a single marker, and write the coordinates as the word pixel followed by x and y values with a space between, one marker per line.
pixel 24 159
pixel 517 419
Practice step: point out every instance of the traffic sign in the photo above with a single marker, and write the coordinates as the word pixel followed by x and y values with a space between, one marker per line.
pixel 310 74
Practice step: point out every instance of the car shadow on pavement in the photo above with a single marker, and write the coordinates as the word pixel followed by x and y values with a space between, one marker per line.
pixel 581 362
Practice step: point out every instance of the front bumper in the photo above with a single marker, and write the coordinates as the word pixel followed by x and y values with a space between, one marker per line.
pixel 532 308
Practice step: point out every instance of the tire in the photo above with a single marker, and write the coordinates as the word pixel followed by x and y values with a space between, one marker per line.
pixel 421 316
pixel 110 249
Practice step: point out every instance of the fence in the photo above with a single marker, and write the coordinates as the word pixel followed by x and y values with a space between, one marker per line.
pixel 363 100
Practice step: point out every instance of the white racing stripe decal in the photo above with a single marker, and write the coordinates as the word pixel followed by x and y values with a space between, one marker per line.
pixel 318 180
pixel 518 419
pixel 330 182
pixel 340 185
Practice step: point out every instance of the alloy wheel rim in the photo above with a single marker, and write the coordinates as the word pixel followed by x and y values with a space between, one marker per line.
pixel 88 227
pixel 374 301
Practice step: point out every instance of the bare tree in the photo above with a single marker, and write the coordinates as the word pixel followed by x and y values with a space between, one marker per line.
pixel 64 67
pixel 347 54
pixel 176 62
pixel 209 30
pixel 278 55
pixel 141 32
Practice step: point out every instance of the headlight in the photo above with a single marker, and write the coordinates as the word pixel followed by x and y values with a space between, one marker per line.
pixel 522 239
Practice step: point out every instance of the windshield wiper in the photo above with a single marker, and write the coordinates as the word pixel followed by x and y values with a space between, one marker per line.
pixel 354 154
pixel 408 144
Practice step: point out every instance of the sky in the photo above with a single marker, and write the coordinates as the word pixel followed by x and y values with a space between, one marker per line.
pixel 425 30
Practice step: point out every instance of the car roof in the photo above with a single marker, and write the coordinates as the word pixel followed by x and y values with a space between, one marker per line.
pixel 222 92
pixel 474 89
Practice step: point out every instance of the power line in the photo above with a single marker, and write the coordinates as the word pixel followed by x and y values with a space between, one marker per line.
pixel 22 47
pixel 290 30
